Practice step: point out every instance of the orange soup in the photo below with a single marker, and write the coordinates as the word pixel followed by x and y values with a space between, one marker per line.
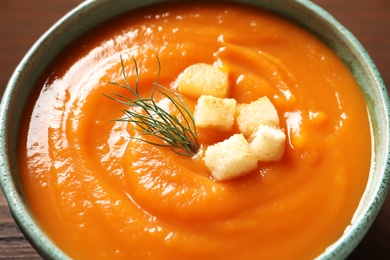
pixel 98 193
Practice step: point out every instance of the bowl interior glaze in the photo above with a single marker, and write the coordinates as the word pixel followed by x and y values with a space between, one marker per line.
pixel 91 13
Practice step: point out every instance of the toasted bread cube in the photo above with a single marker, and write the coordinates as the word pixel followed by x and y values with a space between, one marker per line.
pixel 251 116
pixel 230 159
pixel 215 112
pixel 203 79
pixel 268 144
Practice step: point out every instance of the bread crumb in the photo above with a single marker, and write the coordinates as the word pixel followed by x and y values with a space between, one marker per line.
pixel 268 144
pixel 203 79
pixel 215 112
pixel 251 116
pixel 230 159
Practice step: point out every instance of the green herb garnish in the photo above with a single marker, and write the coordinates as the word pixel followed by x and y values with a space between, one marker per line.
pixel 176 132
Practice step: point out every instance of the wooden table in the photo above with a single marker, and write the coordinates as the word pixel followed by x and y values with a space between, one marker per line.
pixel 23 21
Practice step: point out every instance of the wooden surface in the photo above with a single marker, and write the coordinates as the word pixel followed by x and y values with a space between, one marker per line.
pixel 23 21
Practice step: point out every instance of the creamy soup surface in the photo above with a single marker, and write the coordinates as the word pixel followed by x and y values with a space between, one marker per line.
pixel 98 193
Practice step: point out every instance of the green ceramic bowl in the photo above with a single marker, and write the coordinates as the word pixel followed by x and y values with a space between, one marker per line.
pixel 91 13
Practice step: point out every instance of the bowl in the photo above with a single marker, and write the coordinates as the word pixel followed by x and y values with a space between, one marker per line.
pixel 91 13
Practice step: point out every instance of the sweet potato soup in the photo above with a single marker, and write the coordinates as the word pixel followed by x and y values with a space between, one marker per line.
pixel 98 193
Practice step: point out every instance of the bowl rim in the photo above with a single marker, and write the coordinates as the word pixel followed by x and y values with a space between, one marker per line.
pixel 13 192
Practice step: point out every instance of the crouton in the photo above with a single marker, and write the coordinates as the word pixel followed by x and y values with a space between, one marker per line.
pixel 203 79
pixel 215 112
pixel 251 116
pixel 268 144
pixel 230 159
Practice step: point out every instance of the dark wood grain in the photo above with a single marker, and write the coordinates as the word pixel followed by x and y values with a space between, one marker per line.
pixel 23 21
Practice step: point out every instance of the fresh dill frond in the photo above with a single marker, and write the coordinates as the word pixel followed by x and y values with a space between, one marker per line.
pixel 175 130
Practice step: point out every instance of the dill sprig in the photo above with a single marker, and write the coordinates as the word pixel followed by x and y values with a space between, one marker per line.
pixel 176 132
